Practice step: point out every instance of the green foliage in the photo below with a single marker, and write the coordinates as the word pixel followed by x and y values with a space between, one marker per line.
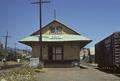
pixel 40 66
pixel 3 52
pixel 19 56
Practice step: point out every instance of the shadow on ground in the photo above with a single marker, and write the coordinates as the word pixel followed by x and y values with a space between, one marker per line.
pixel 59 64
pixel 110 71
pixel 63 66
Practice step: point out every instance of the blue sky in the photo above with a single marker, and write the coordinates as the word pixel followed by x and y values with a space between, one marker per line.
pixel 95 19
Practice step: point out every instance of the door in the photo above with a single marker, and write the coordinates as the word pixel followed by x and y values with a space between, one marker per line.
pixel 55 53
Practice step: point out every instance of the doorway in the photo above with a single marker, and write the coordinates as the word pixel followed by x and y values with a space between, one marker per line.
pixel 55 53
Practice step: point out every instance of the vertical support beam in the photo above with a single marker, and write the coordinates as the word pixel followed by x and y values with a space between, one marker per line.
pixel 40 38
pixel 6 39
pixel 55 14
pixel 15 48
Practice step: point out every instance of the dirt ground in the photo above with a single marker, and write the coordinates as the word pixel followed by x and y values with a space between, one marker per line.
pixel 75 74
pixel 85 73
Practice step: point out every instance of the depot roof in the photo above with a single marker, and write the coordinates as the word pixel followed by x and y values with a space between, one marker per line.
pixel 55 38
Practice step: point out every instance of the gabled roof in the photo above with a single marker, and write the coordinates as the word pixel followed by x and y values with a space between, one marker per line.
pixel 34 33
pixel 66 37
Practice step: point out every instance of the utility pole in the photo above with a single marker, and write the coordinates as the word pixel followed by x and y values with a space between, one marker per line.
pixel 15 49
pixel 6 40
pixel 40 23
pixel 55 14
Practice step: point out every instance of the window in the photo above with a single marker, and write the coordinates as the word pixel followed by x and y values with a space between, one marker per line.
pixel 57 53
pixel 52 30
pixel 56 30
pixel 59 30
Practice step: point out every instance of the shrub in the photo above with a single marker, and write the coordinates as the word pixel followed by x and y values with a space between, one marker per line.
pixel 21 74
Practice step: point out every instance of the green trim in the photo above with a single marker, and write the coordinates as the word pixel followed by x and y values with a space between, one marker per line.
pixel 55 38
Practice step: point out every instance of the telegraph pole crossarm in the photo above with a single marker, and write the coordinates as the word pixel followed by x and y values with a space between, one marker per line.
pixel 41 2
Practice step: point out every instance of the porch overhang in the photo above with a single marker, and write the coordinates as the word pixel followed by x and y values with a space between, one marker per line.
pixel 56 38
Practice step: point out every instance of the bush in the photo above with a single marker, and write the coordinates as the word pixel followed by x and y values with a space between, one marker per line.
pixel 3 53
pixel 21 74
pixel 40 66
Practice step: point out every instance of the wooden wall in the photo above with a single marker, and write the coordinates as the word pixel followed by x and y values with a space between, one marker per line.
pixel 71 51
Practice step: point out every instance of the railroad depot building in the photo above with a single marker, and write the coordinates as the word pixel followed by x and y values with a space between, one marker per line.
pixel 59 43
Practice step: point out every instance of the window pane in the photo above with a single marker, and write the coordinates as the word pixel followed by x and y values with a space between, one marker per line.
pixel 58 57
pixel 52 30
pixel 53 49
pixel 58 30
pixel 53 57
pixel 58 50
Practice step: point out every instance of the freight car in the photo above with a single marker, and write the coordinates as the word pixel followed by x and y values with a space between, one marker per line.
pixel 107 52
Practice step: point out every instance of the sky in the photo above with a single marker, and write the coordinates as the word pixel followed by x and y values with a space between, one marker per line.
pixel 95 19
